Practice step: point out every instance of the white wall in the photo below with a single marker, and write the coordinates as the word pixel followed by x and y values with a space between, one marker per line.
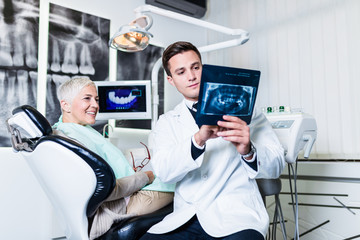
pixel 308 53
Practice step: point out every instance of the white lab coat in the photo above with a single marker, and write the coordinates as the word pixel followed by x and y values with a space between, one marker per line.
pixel 219 187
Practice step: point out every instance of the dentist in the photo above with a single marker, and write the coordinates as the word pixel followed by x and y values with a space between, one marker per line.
pixel 214 167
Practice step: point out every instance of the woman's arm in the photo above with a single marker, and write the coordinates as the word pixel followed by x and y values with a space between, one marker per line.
pixel 128 185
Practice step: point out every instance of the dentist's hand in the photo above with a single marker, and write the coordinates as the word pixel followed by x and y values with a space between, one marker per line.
pixel 235 130
pixel 205 133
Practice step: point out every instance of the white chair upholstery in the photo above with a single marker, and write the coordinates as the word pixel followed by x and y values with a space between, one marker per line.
pixel 58 163
pixel 68 182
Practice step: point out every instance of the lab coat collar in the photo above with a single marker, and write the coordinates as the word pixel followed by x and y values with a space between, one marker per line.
pixel 185 117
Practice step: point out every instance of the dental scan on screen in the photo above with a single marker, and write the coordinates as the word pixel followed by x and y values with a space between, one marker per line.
pixel 130 99
pixel 226 91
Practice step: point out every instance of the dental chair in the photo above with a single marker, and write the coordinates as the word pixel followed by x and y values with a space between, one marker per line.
pixel 75 180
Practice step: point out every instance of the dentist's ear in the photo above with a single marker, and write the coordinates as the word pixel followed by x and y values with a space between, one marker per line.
pixel 170 80
pixel 65 106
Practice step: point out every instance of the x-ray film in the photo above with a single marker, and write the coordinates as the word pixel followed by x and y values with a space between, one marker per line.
pixel 226 91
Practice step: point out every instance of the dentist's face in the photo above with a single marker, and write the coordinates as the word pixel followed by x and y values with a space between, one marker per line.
pixel 185 69
pixel 84 106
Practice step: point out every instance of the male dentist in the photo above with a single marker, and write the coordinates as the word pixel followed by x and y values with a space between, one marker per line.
pixel 214 167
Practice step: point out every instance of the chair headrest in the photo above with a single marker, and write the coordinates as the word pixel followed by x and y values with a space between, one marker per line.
pixel 37 118
pixel 26 125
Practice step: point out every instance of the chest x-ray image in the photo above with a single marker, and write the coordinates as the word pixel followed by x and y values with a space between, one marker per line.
pixel 227 99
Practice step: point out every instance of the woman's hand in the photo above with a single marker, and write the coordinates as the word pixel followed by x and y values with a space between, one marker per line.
pixel 151 176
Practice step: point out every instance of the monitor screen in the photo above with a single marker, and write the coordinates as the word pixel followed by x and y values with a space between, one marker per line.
pixel 120 100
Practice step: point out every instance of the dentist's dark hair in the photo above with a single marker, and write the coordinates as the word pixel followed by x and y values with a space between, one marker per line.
pixel 174 49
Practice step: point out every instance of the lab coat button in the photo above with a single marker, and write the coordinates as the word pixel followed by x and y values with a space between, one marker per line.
pixel 204 177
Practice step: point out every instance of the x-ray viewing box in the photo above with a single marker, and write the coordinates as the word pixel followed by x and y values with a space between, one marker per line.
pixel 130 99
pixel 296 131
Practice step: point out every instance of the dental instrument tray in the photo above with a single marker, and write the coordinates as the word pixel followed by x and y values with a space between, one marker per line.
pixel 226 91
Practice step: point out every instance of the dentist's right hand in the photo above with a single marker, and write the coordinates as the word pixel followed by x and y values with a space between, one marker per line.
pixel 205 133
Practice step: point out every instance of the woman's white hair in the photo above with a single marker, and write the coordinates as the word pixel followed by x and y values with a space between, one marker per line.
pixel 70 88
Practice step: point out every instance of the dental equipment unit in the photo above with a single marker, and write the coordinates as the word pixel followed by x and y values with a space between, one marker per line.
pixel 297 132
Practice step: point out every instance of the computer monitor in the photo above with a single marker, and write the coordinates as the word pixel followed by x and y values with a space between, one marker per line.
pixel 124 100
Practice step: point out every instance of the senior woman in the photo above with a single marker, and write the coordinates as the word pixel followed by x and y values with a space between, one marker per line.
pixel 135 192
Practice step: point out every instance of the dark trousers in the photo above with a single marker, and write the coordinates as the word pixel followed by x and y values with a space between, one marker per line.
pixel 193 231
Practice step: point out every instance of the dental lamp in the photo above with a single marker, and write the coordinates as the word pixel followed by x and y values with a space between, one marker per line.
pixel 135 37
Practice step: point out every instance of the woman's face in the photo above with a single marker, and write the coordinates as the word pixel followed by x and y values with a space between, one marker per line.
pixel 85 106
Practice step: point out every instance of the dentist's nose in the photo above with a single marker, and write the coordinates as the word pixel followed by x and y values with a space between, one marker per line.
pixel 192 76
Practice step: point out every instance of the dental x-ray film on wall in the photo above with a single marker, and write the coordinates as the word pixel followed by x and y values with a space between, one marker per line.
pixel 77 48
pixel 18 58
pixel 226 91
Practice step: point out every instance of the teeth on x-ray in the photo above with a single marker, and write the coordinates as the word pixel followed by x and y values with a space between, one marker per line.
pixel 227 99
pixel 18 57
pixel 12 90
pixel 33 76
pixel 55 64
pixel 5 49
pixel 69 65
pixel 31 51
pixel 121 100
pixel 2 84
pixel 22 76
pixel 74 37
pixel 86 66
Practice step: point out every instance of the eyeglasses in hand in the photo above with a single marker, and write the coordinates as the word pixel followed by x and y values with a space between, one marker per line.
pixel 144 162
